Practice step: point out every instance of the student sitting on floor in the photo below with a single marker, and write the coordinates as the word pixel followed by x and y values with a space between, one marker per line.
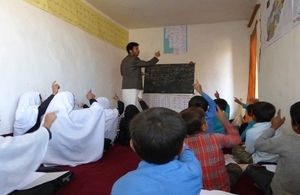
pixel 30 110
pixel 224 106
pixel 167 166
pixel 263 112
pixel 206 103
pixel 208 149
pixel 243 129
pixel 287 174
pixel 130 111
pixel 111 119
pixel 246 126
pixel 21 155
pixel 78 135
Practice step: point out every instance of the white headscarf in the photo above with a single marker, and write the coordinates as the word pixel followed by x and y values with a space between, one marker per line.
pixel 20 155
pixel 77 135
pixel 27 112
pixel 111 118
pixel 104 102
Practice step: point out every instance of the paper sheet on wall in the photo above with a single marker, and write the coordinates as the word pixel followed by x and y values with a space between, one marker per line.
pixel 81 15
pixel 175 39
pixel 172 101
pixel 296 12
pixel 278 19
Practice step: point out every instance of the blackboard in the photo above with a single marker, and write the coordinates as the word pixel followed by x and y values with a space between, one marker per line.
pixel 169 78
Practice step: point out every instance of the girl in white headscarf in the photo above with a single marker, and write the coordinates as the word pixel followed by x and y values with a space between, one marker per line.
pixel 77 135
pixel 30 110
pixel 111 116
pixel 22 155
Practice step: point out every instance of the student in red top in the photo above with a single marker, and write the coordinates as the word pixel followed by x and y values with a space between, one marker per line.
pixel 208 149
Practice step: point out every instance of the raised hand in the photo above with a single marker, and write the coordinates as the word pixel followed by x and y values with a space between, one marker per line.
pixel 90 96
pixel 157 54
pixel 217 95
pixel 191 63
pixel 277 121
pixel 116 97
pixel 198 87
pixel 237 101
pixel 140 99
pixel 55 87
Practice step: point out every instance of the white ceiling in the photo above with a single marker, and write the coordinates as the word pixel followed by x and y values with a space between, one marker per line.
pixel 135 14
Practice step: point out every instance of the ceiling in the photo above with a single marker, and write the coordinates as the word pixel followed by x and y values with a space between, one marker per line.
pixel 135 14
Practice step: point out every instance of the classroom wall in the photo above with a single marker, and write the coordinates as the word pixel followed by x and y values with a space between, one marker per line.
pixel 221 53
pixel 278 68
pixel 37 48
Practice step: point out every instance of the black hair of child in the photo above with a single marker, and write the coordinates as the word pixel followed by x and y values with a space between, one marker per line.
pixel 222 103
pixel 194 118
pixel 157 135
pixel 295 113
pixel 263 111
pixel 198 101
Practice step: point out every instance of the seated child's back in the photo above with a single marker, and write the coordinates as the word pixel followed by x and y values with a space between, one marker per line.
pixel 208 147
pixel 287 173
pixel 222 103
pixel 262 112
pixel 206 103
pixel 167 166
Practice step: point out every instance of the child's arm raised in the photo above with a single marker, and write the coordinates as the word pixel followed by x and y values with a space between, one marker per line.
pixel 232 138
pixel 240 103
pixel 120 104
pixel 143 104
pixel 266 142
pixel 210 114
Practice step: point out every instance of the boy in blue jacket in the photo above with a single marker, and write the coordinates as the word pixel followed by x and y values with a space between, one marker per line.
pixel 167 166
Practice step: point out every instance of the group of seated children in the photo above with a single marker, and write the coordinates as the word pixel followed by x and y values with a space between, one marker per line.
pixel 153 137
pixel 78 135
pixel 181 152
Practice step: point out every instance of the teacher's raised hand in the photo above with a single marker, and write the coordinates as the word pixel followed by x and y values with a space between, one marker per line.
pixel 157 54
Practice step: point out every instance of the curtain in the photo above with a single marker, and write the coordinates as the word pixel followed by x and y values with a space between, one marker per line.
pixel 252 68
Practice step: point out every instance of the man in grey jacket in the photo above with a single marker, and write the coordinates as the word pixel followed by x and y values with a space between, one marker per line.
pixel 131 65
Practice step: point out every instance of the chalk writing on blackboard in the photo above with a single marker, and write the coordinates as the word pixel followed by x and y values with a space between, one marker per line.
pixel 169 78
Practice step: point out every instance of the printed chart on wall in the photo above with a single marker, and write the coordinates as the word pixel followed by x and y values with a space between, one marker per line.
pixel 82 16
pixel 175 39
pixel 172 101
pixel 296 12
pixel 278 19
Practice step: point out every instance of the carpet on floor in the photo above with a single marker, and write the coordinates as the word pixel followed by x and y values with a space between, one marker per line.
pixel 99 177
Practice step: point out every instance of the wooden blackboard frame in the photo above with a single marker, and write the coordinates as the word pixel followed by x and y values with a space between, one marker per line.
pixel 169 78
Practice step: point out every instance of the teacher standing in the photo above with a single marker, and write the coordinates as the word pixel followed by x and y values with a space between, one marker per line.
pixel 131 65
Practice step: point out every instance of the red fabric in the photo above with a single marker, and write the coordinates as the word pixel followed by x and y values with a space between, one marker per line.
pixel 208 150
